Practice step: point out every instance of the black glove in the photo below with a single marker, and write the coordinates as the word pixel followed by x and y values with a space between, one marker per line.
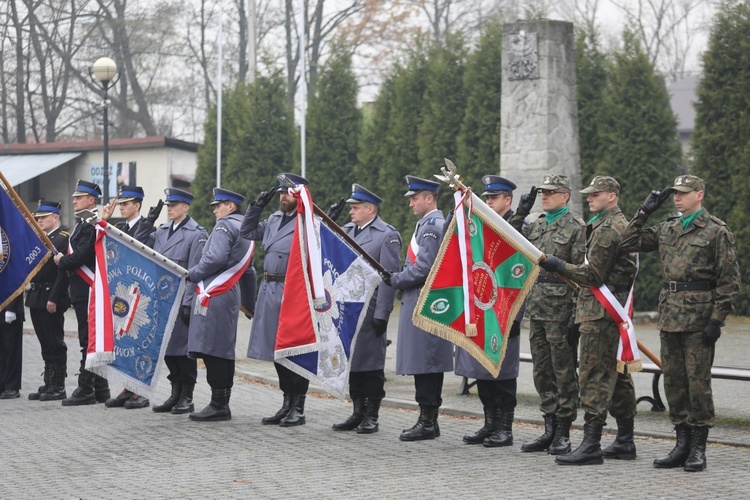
pixel 654 200
pixel 527 202
pixel 552 264
pixel 574 333
pixel 185 315
pixel 386 277
pixel 379 326
pixel 334 211
pixel 154 212
pixel 712 331
pixel 265 197
pixel 515 330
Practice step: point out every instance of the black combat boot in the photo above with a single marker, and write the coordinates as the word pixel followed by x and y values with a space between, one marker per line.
pixel 84 394
pixel 503 434
pixel 425 428
pixel 369 424
pixel 217 410
pixel 542 442
pixel 296 415
pixel 485 432
pixel 119 401
pixel 56 389
pixel 172 400
pixel 137 401
pixel 624 446
pixel 560 444
pixel 696 461
pixel 355 418
pixel 185 403
pixel 101 388
pixel 275 419
pixel 590 450
pixel 680 452
pixel 34 396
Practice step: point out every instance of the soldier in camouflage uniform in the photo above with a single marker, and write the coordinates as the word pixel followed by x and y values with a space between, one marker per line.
pixel 549 307
pixel 602 388
pixel 701 278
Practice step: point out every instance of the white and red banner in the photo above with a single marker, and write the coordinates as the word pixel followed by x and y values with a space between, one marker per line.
pixel 222 283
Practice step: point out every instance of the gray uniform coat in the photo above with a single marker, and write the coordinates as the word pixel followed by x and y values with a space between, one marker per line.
pixel 276 245
pixel 184 248
pixel 420 352
pixel 383 242
pixel 215 333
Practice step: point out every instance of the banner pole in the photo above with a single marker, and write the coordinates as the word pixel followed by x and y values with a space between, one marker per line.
pixel 335 227
pixel 650 355
pixel 17 201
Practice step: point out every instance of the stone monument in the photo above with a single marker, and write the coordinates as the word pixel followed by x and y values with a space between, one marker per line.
pixel 539 111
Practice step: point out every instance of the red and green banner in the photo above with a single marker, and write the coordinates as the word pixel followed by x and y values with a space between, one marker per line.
pixel 481 276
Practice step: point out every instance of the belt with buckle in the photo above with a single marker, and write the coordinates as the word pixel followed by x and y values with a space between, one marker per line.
pixel 550 278
pixel 682 286
pixel 40 286
pixel 274 278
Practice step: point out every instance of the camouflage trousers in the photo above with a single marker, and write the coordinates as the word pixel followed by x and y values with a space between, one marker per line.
pixel 687 364
pixel 554 368
pixel 602 388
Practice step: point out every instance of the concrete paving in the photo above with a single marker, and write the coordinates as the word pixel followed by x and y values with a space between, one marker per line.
pixel 49 451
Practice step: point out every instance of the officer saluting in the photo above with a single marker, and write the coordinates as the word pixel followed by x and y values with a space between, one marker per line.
pixel 419 353
pixel 367 376
pixel 48 300
pixel 276 233
pixel 181 240
pixel 213 326
pixel 92 388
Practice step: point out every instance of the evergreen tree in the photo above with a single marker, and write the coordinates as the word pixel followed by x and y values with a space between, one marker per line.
pixel 373 150
pixel 721 141
pixel 591 76
pixel 639 146
pixel 479 139
pixel 334 123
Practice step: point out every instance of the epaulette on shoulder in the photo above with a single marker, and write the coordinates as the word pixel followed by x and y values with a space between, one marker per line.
pixel 64 233
pixel 431 221
pixel 674 217
pixel 579 220
pixel 541 216
pixel 392 228
pixel 717 220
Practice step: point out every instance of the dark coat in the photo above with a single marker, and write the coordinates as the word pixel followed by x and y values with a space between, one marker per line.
pixel 50 284
pixel 81 241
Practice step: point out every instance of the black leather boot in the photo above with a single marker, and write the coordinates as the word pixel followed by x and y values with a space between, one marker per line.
pixel 185 403
pixel 590 450
pixel 34 396
pixel 275 419
pixel 624 446
pixel 296 415
pixel 485 432
pixel 355 418
pixel 696 461
pixel 101 388
pixel 218 410
pixel 542 442
pixel 119 401
pixel 56 390
pixel 172 400
pixel 370 424
pixel 84 394
pixel 560 444
pixel 503 435
pixel 680 452
pixel 425 428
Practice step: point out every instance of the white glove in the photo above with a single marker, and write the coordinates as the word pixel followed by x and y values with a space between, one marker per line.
pixel 10 316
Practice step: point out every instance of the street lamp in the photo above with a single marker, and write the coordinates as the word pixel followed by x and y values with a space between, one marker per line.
pixel 104 71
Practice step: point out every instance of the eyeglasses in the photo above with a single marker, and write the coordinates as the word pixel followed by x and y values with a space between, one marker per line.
pixel 548 192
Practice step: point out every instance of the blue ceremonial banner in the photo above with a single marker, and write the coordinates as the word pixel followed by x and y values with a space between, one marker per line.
pixel 23 250
pixel 146 291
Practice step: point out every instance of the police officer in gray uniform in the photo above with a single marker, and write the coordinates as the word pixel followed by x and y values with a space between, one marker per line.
pixel 213 331
pixel 497 394
pixel 367 376
pixel 181 240
pixel 419 353
pixel 276 233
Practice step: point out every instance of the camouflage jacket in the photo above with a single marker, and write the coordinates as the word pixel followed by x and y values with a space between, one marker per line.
pixel 606 265
pixel 705 251
pixel 553 301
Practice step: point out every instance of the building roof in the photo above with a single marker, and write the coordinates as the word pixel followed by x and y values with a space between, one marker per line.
pixel 21 168
pixel 83 146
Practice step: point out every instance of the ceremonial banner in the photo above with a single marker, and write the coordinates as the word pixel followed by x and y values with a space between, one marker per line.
pixel 316 337
pixel 145 291
pixel 479 280
pixel 23 249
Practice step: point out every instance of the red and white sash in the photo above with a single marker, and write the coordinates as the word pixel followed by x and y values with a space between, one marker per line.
pixel 222 283
pixel 310 226
pixel 101 347
pixel 467 262
pixel 413 250
pixel 628 355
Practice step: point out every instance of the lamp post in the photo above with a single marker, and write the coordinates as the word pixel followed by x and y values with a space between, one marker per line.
pixel 104 71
